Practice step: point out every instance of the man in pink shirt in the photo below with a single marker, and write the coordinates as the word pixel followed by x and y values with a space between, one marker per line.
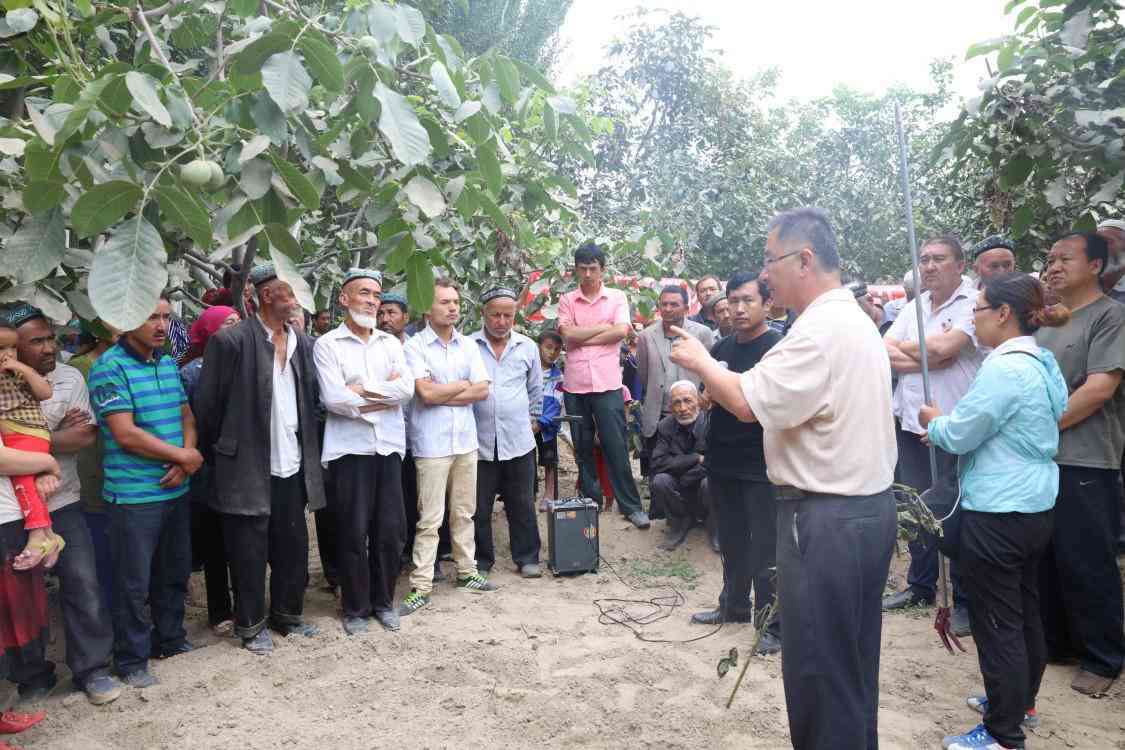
pixel 593 320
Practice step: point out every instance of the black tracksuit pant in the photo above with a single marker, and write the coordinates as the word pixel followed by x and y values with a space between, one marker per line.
pixel 280 540
pixel 1079 584
pixel 514 481
pixel 748 543
pixel 370 531
pixel 833 555
pixel 1000 555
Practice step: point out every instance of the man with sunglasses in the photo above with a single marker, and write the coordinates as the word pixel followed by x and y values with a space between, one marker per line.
pixel 954 358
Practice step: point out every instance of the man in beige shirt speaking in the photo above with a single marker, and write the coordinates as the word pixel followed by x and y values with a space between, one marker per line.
pixel 823 397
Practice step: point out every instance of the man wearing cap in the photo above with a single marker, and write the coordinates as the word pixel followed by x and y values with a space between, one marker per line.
pixel 992 257
pixel 89 632
pixel 364 382
pixel 1113 279
pixel 257 400
pixel 449 377
pixel 506 425
pixel 150 437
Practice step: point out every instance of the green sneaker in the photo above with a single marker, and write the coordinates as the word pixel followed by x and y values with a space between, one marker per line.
pixel 413 602
pixel 475 584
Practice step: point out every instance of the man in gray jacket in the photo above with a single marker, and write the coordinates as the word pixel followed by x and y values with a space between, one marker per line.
pixel 257 418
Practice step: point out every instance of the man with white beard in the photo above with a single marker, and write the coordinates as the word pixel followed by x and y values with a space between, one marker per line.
pixel 364 384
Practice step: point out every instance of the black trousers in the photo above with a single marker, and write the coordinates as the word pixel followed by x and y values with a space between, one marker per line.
pixel 207 546
pixel 747 515
pixel 1000 556
pixel 514 480
pixel 833 555
pixel 1079 584
pixel 151 548
pixel 683 498
pixel 914 470
pixel 280 540
pixel 370 530
pixel 604 412
pixel 326 533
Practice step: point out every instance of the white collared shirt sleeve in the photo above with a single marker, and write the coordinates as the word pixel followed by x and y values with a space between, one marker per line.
pixel 334 392
pixel 962 318
pixel 477 371
pixel 535 383
pixel 416 362
pixel 401 389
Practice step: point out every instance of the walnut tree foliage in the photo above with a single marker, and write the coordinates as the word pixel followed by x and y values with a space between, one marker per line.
pixel 151 145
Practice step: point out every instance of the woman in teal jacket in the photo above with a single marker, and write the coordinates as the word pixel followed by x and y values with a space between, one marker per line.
pixel 1006 431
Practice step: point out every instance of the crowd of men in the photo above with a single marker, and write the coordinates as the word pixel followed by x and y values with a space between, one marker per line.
pixel 760 421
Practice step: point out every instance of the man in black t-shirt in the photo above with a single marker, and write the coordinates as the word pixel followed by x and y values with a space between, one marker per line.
pixel 736 473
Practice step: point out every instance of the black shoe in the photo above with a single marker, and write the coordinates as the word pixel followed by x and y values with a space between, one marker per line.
pixel 353 625
pixel 716 617
pixel 168 653
pixel 306 629
pixel 675 534
pixel 639 519
pixel 261 644
pixel 905 599
pixel 38 692
pixel 959 622
pixel 770 644
pixel 388 618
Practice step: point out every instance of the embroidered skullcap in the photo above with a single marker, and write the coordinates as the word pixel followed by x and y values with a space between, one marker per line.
pixel 394 298
pixel 362 273
pixel 21 313
pixel 262 273
pixel 1112 224
pixel 495 292
pixel 991 243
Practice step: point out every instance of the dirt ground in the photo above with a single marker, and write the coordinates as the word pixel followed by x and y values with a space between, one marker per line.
pixel 531 666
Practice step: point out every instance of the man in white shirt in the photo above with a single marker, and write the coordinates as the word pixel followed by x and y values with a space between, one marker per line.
pixel 257 404
pixel 506 424
pixel 449 377
pixel 86 619
pixel 953 359
pixel 364 383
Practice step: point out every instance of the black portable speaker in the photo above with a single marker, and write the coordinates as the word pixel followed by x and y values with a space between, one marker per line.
pixel 572 535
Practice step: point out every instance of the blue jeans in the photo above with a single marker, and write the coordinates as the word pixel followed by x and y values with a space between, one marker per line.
pixel 98 524
pixel 151 548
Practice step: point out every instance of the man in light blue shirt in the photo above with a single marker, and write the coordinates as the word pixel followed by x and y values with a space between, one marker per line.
pixel 449 377
pixel 506 423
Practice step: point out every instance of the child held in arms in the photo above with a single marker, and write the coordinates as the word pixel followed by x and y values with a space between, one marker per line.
pixel 23 426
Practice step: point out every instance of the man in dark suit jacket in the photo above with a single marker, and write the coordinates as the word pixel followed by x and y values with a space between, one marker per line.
pixel 679 482
pixel 256 408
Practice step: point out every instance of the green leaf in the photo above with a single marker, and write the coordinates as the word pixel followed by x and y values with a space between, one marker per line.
pixel 508 77
pixel 1017 171
pixel 17 22
pixel 490 167
pixel 1006 58
pixel 581 151
pixel 287 272
pixel 397 260
pixel 411 24
pixel 288 84
pixel 446 89
pixel 269 119
pixel 493 211
pixel 410 143
pixel 419 282
pixel 86 102
pixel 534 76
pixel 41 162
pixel 425 195
pixel 1024 15
pixel 1021 220
pixel 243 8
pixel 297 183
pixel 183 210
pixel 322 61
pixel 42 196
pixel 128 274
pixel 145 96
pixel 250 60
pixel 36 248
pixel 103 206
pixel 280 239
pixel 550 123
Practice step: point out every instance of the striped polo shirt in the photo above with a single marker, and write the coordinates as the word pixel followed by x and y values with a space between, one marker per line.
pixel 122 380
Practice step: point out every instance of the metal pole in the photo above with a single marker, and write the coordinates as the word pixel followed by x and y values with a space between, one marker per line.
pixel 908 207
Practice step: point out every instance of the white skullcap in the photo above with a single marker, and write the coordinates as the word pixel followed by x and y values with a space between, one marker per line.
pixel 683 384
pixel 1112 224
pixel 908 278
